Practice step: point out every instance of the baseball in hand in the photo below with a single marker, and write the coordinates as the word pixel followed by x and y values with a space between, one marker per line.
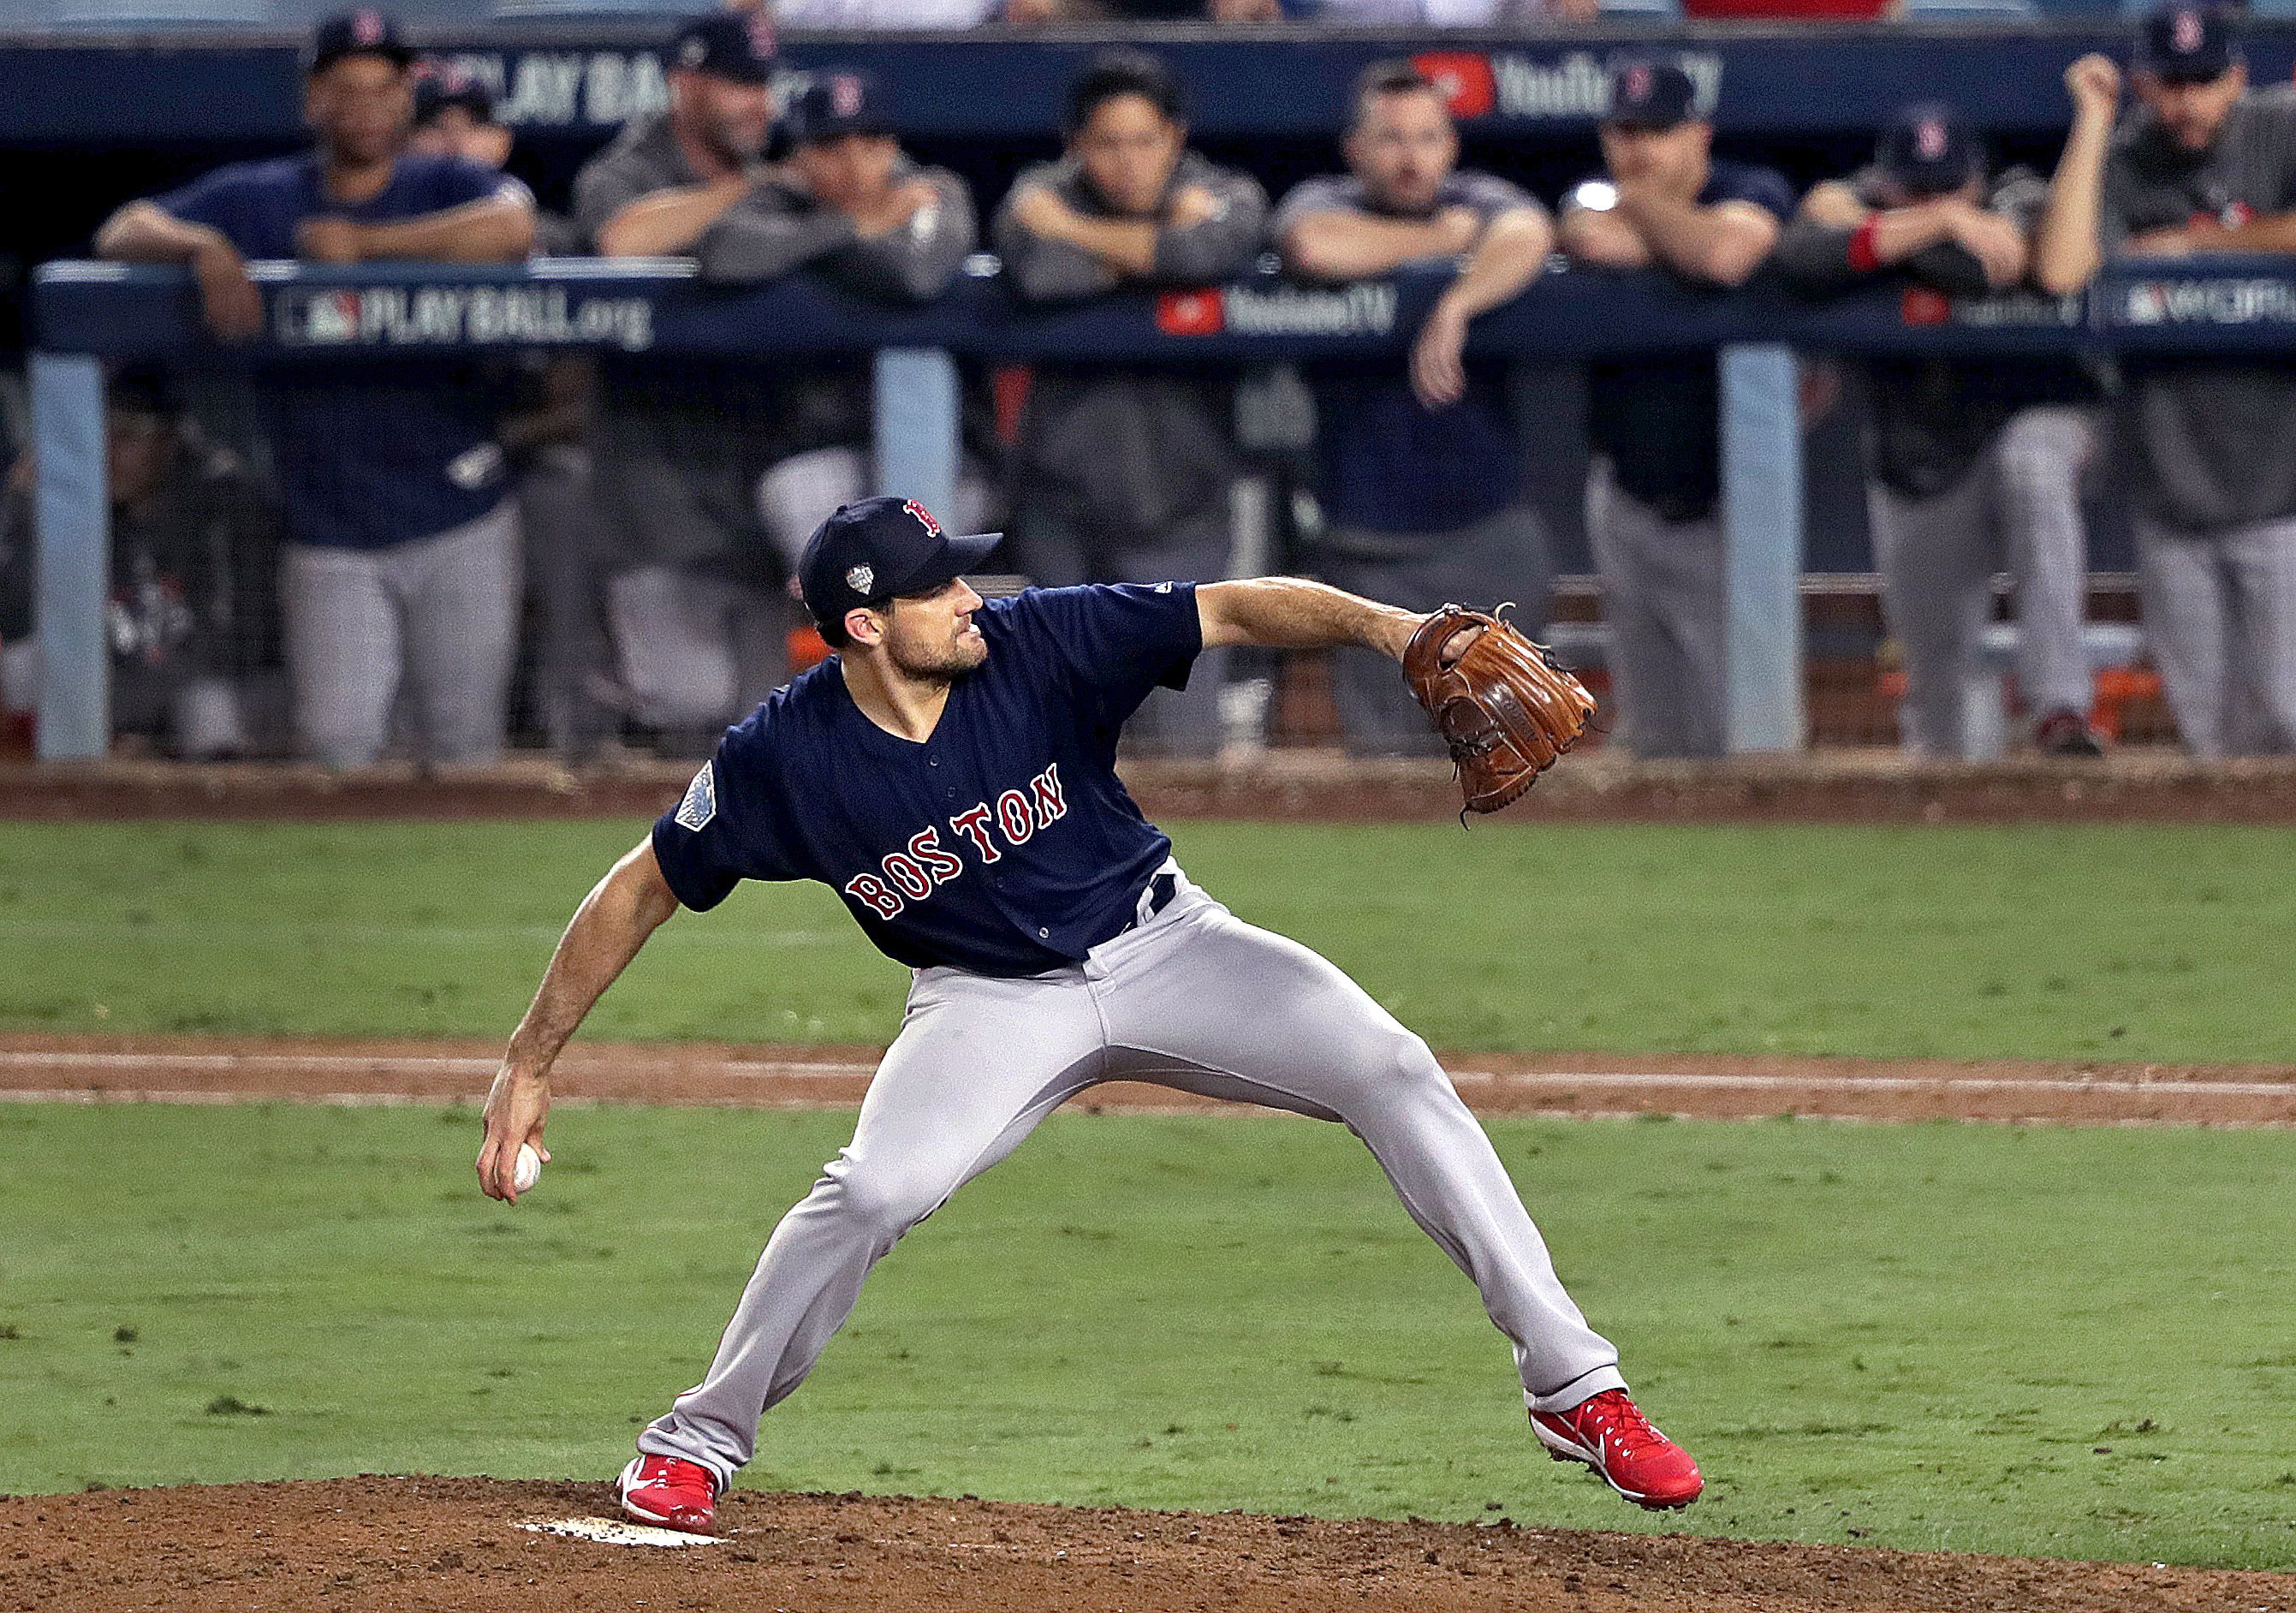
pixel 529 1169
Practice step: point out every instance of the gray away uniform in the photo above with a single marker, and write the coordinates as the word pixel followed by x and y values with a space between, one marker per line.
pixel 2211 445
pixel 1125 473
pixel 1055 946
pixel 827 405
pixel 693 589
pixel 1654 421
pixel 1972 466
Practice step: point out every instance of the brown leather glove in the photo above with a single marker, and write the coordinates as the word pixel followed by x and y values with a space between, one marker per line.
pixel 1503 705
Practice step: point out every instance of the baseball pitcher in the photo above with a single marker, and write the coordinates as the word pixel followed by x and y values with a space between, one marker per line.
pixel 951 773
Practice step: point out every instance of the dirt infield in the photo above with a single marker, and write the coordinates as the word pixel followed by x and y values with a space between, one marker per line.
pixel 1830 786
pixel 411 1545
pixel 415 1545
pixel 202 1069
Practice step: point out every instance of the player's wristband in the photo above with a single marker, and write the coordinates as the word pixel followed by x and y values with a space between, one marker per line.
pixel 1864 255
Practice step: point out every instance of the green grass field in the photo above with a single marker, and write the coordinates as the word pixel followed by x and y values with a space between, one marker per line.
pixel 2048 1342
pixel 2152 944
pixel 2059 1342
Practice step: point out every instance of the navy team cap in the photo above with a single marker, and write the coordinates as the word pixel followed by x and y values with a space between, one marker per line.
pixel 838 102
pixel 2189 43
pixel 1651 94
pixel 874 550
pixel 1931 150
pixel 438 88
pixel 727 45
pixel 365 32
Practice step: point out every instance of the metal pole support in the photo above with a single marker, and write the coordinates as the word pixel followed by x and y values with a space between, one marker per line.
pixel 1762 526
pixel 918 411
pixel 73 516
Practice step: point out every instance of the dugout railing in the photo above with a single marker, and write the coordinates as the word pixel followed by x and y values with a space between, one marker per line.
pixel 87 315
pixel 577 81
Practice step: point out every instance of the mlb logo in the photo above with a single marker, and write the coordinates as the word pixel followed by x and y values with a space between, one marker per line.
pixel 1191 314
pixel 1464 78
pixel 325 317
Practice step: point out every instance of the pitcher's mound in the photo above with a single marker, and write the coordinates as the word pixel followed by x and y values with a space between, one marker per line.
pixel 415 1546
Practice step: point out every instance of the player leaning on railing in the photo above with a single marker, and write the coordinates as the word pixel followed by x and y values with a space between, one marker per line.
pixel 951 773
pixel 2203 164
pixel 402 565
pixel 1976 463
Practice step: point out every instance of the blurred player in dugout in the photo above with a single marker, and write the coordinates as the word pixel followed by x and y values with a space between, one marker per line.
pixel 546 434
pixel 849 206
pixel 2203 164
pixel 694 590
pixel 1422 476
pixel 402 563
pixel 1664 202
pixel 191 619
pixel 1970 462
pixel 1125 473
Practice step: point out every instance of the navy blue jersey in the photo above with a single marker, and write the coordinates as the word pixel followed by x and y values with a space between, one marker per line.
pixel 372 454
pixel 1658 418
pixel 1004 844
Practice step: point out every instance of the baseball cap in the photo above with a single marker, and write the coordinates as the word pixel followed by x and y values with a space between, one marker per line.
pixel 840 101
pixel 436 89
pixel 1650 94
pixel 2189 43
pixel 727 46
pixel 365 32
pixel 877 549
pixel 1930 149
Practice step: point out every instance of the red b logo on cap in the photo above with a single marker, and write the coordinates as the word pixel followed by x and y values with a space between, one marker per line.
pixel 920 512
pixel 2185 32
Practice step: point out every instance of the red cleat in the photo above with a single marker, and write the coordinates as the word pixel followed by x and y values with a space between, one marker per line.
pixel 670 1492
pixel 1610 1435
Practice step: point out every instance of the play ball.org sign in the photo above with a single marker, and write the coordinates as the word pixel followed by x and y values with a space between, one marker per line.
pixel 2209 302
pixel 453 317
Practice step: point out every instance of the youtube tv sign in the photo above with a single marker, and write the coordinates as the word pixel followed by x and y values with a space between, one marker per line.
pixel 1576 85
pixel 1465 80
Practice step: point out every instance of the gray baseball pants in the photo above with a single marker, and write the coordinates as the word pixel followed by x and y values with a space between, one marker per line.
pixel 2019 509
pixel 1194 999
pixel 1500 558
pixel 801 492
pixel 1664 603
pixel 439 613
pixel 2220 613
pixel 697 648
